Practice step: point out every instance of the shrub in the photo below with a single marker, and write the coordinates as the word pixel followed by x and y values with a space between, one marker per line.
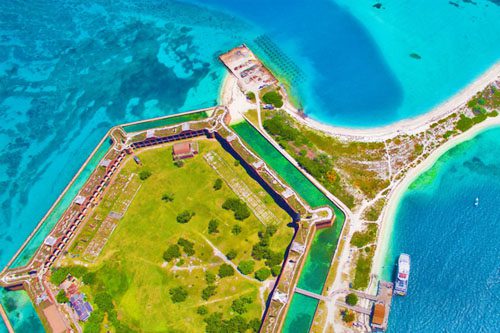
pixel 226 270
pixel 348 317
pixel 172 252
pixel 178 294
pixel 236 230
pixel 213 226
pixel 262 274
pixel 254 325
pixel 274 258
pixel 276 270
pixel 185 216
pixel 231 254
pixel 167 197
pixel 209 277
pixel 58 275
pixel 61 297
pixel 144 174
pixel 187 246
pixel 250 96
pixel 105 302
pixel 260 251
pixel 464 123
pixel 239 208
pixel 208 292
pixel 351 299
pixel 179 163
pixel 274 98
pixel 246 266
pixel 239 305
pixel 89 278
pixel 218 184
pixel 202 310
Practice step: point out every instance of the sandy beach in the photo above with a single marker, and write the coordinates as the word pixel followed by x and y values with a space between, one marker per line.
pixel 396 194
pixel 408 126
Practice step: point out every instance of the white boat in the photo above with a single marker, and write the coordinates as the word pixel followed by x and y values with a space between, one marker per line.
pixel 401 284
pixel 476 203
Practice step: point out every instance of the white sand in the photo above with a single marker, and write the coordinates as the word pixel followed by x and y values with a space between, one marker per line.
pixel 408 126
pixel 396 194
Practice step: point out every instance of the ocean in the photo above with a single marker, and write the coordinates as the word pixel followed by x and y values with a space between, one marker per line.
pixel 455 259
pixel 69 70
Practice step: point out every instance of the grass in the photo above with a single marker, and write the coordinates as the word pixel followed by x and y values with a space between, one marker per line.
pixel 363 268
pixel 363 238
pixel 131 268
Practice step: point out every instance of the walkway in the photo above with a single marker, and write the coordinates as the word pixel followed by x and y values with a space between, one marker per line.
pixel 355 308
pixel 312 295
pixel 10 329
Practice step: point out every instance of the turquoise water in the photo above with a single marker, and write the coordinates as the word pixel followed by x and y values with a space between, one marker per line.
pixel 21 313
pixel 317 264
pixel 355 60
pixel 455 273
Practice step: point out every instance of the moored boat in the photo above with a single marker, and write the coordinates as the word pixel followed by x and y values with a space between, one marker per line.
pixel 401 283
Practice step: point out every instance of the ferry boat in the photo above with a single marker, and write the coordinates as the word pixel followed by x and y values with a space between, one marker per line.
pixel 401 283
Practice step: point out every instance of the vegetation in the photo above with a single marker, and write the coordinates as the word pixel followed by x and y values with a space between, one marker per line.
pixel 374 211
pixel 202 310
pixel 226 270
pixel 58 275
pixel 61 297
pixel 363 238
pixel 246 266
pixel 144 174
pixel 167 197
pixel 262 274
pixel 363 268
pixel 351 299
pixel 240 305
pixel 273 97
pixel 208 292
pixel 185 216
pixel 348 316
pixel 137 280
pixel 236 230
pixel 172 252
pixel 239 208
pixel 276 270
pixel 179 163
pixel 250 96
pixel 178 294
pixel 231 254
pixel 213 226
pixel 217 184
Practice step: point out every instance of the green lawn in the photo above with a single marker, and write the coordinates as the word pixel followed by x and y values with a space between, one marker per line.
pixel 131 268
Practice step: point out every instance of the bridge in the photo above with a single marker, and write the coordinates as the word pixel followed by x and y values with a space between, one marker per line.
pixel 312 295
pixel 356 308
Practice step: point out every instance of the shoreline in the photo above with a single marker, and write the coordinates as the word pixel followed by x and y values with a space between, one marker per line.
pixel 396 194
pixel 410 125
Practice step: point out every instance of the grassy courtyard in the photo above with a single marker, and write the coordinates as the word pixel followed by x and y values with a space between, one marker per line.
pixel 169 264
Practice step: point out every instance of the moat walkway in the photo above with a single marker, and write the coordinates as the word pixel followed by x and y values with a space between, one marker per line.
pixel 312 295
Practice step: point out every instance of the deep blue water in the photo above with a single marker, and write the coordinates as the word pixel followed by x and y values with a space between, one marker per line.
pixel 455 270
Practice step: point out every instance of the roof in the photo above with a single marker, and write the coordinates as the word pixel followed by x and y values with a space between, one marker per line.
pixel 182 148
pixel 51 240
pixel 54 318
pixel 378 314
pixel 105 163
pixel 79 200
pixel 83 309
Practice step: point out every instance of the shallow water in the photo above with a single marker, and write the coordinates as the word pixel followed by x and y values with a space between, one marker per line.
pixel 455 260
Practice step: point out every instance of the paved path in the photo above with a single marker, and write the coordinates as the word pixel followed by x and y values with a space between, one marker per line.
pixel 313 295
pixel 355 308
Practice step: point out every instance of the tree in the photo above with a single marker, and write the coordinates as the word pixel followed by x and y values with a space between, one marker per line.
pixel 239 208
pixel 351 299
pixel 236 230
pixel 246 266
pixel 213 226
pixel 89 278
pixel 239 305
pixel 262 274
pixel 231 254
pixel 178 294
pixel 225 270
pixel 348 317
pixel 209 277
pixel 218 184
pixel 254 325
pixel 61 297
pixel 172 252
pixel 187 246
pixel 144 174
pixel 273 259
pixel 185 216
pixel 202 310
pixel 168 197
pixel 208 292
pixel 274 98
pixel 276 270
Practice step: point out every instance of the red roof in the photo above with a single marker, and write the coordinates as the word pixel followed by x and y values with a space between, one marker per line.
pixel 378 314
pixel 182 148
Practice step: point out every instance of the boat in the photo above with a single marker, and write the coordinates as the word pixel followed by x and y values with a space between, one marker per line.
pixel 476 203
pixel 401 283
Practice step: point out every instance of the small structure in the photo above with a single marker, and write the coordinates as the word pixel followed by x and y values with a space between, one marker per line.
pixel 54 318
pixel 83 309
pixel 50 241
pixel 150 133
pixel 378 317
pixel 185 127
pixel 287 193
pixel 79 200
pixel 184 150
pixel 105 163
pixel 258 165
